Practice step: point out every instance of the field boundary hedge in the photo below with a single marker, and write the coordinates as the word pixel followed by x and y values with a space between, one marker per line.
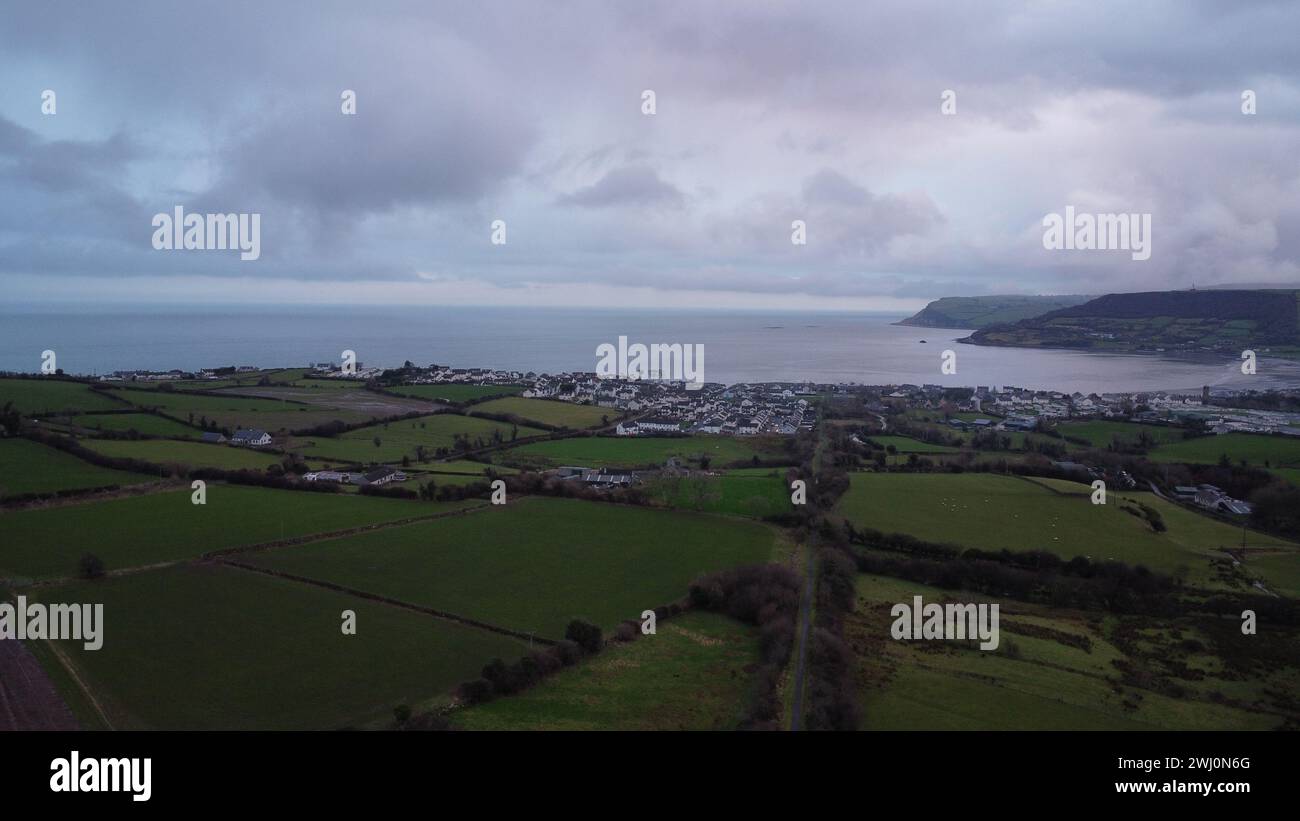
pixel 418 608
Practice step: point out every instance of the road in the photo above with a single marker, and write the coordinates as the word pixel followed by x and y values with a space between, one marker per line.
pixel 801 653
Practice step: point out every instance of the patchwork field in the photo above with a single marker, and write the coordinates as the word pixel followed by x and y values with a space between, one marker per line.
pixel 456 393
pixel 559 414
pixel 1253 448
pixel 191 454
pixel 535 564
pixel 1100 433
pixel 993 512
pixel 635 451
pixel 904 444
pixel 29 467
pixel 35 397
pixel 690 675
pixel 1055 669
pixel 274 414
pixel 162 527
pixel 755 496
pixel 401 438
pixel 208 647
pixel 350 400
pixel 147 424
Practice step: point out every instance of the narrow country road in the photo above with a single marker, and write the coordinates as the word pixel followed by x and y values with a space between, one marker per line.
pixel 805 627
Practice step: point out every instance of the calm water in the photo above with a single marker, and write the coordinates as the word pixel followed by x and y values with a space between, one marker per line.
pixel 738 346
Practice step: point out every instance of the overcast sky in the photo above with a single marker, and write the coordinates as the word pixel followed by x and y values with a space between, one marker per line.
pixel 531 113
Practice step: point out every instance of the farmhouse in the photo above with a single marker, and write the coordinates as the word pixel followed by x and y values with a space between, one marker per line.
pixel 383 476
pixel 251 437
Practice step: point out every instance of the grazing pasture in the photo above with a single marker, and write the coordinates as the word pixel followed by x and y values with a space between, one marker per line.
pixel 163 527
pixel 691 675
pixel 1252 448
pixel 30 467
pixel 536 563
pixel 548 412
pixel 42 397
pixel 390 441
pixel 992 512
pixel 1053 669
pixel 456 392
pixel 187 454
pixel 209 647
pixel 638 451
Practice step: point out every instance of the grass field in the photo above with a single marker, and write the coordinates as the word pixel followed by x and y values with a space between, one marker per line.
pixel 1040 677
pixel 1255 449
pixel 755 496
pixel 147 424
pixel 209 647
pixel 162 527
pixel 636 451
pixel 904 444
pixel 993 512
pixel 690 675
pixel 191 454
pixel 29 467
pixel 559 414
pixel 536 563
pixel 268 413
pixel 456 393
pixel 398 439
pixel 38 397
pixel 1100 433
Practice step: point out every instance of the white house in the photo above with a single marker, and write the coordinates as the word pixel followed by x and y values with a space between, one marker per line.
pixel 251 437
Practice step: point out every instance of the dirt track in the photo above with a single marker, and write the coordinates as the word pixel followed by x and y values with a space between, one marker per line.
pixel 28 700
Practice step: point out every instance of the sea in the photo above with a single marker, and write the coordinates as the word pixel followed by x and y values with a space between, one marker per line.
pixel 739 346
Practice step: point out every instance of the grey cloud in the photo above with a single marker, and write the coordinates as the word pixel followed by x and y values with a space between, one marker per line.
pixel 630 185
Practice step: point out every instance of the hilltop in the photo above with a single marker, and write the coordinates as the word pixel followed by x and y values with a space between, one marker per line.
pixel 975 312
pixel 1227 321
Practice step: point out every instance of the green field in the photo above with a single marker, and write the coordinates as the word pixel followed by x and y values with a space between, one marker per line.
pixel 29 467
pixel 534 564
pixel 456 393
pixel 38 397
pixel 398 439
pixel 690 675
pixel 1040 678
pixel 557 414
pixel 1100 433
pixel 163 527
pixel 637 451
pixel 465 466
pixel 208 647
pixel 147 424
pixel 190 454
pixel 904 444
pixel 755 496
pixel 1254 448
pixel 993 512
pixel 271 414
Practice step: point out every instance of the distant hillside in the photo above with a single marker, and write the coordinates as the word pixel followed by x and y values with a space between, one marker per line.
pixel 981 311
pixel 1163 321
